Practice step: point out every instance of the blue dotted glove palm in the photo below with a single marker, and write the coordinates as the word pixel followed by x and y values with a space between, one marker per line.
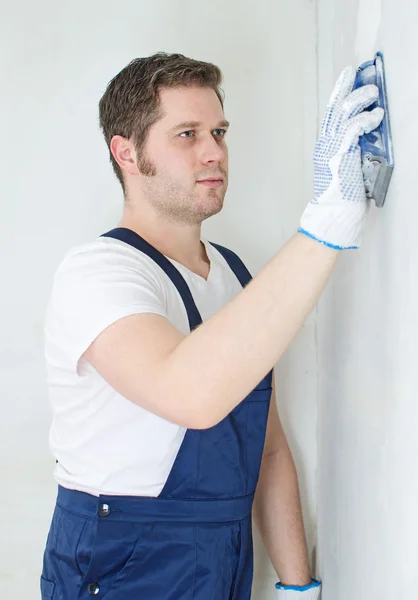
pixel 337 212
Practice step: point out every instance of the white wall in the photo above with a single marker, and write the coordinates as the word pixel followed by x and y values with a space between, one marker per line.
pixel 368 332
pixel 58 190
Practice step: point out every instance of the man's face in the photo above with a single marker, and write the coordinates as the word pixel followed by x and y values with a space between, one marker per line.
pixel 184 163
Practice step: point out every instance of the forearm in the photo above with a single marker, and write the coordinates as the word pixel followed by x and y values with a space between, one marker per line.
pixel 232 351
pixel 278 516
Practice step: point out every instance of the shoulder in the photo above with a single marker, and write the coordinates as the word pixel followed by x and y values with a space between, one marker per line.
pixel 104 256
pixel 106 269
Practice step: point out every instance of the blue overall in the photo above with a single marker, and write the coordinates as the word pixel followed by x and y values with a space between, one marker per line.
pixel 193 541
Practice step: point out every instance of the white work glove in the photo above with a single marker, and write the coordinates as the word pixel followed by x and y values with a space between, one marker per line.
pixel 290 592
pixel 337 213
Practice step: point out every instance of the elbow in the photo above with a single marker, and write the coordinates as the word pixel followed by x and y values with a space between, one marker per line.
pixel 203 421
pixel 192 413
pixel 184 407
pixel 195 419
pixel 201 412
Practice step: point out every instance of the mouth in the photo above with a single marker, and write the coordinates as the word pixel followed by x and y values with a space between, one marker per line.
pixel 211 182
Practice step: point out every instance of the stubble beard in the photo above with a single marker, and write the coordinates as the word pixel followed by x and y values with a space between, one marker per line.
pixel 174 202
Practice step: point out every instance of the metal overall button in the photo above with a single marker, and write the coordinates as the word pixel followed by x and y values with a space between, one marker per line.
pixel 93 589
pixel 104 510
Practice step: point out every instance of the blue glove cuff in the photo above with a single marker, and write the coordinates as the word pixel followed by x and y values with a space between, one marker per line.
pixel 315 583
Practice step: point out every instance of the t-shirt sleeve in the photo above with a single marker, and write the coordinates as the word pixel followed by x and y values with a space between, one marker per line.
pixel 94 288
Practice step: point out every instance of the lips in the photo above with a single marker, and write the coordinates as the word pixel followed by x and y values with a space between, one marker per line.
pixel 211 182
pixel 210 179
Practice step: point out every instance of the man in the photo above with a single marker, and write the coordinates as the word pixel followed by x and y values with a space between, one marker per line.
pixel 160 363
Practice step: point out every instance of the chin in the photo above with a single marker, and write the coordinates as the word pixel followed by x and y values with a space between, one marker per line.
pixel 213 209
pixel 208 206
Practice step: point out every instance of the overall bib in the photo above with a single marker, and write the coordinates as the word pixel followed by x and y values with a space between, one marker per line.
pixel 193 541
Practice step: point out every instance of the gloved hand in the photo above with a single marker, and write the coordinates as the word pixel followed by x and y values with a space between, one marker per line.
pixel 336 214
pixel 308 592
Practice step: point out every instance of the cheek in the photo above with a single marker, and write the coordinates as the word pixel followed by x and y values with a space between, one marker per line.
pixel 179 162
pixel 226 152
pixel 175 160
pixel 177 169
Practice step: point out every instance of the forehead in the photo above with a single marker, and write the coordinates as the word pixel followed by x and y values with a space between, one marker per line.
pixel 189 104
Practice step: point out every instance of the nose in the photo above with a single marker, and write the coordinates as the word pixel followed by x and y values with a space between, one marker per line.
pixel 213 152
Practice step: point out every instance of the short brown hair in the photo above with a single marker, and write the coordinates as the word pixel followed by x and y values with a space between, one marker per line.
pixel 130 104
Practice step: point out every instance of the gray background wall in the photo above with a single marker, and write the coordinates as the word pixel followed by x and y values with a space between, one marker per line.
pixel 367 338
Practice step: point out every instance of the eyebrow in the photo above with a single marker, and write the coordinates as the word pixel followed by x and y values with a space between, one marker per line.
pixel 195 124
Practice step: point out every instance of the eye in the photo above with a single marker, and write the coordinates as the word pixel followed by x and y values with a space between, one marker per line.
pixel 187 136
pixel 190 133
pixel 222 133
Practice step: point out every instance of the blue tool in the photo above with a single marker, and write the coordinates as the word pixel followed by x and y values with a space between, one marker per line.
pixel 376 147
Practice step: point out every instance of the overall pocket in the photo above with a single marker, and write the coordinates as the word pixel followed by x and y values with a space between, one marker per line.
pixel 107 555
pixel 47 589
pixel 231 560
pixel 62 572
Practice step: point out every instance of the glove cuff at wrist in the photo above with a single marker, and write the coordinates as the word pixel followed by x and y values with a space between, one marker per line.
pixel 339 227
pixel 291 592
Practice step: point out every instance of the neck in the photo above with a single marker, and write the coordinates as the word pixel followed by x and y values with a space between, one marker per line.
pixel 179 242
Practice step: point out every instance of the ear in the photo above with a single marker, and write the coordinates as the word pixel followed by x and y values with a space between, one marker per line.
pixel 123 151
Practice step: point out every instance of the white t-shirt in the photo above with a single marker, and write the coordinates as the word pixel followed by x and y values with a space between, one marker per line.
pixel 104 443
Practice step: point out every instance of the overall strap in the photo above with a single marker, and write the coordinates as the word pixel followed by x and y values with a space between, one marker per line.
pixel 133 239
pixel 242 273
